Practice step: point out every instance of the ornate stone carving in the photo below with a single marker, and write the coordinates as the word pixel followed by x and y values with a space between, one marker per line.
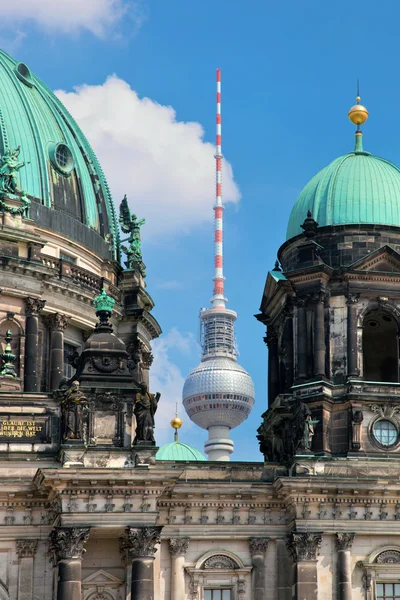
pixel 57 322
pixel 204 517
pixel 26 548
pixel 352 512
pixel 178 546
pixel 385 410
pixel 357 418
pixel 219 561
pixel 142 541
pixel 147 359
pixel 258 546
pixel 344 541
pixel 337 511
pixel 33 306
pixel 322 511
pixel 388 557
pixel 366 577
pixel 352 298
pixel 304 546
pixel 68 542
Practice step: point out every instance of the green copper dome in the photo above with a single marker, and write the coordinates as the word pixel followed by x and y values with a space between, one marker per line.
pixel 353 189
pixel 179 451
pixel 61 174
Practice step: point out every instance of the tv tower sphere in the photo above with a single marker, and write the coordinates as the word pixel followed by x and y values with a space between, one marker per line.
pixel 218 395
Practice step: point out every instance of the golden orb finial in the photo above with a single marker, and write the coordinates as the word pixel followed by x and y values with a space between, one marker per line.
pixel 176 422
pixel 358 114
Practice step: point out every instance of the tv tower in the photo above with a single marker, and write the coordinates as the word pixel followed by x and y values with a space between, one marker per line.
pixel 218 395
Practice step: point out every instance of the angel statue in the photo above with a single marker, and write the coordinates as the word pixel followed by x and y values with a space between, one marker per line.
pixel 131 224
pixel 9 167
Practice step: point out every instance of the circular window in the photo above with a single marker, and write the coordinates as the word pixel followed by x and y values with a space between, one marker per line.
pixel 61 157
pixel 24 74
pixel 385 432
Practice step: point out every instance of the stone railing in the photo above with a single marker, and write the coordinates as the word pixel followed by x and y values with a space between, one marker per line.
pixel 81 277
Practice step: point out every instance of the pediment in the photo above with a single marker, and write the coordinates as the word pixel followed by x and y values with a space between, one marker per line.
pixel 275 281
pixel 384 260
pixel 101 577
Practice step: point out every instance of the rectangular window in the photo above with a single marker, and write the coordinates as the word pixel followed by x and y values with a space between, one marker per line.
pixel 69 370
pixel 388 591
pixel 219 594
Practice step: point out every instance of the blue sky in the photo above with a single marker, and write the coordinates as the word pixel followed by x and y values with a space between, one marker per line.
pixel 289 72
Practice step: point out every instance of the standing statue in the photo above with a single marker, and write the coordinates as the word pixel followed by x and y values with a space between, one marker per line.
pixel 303 428
pixel 9 168
pixel 74 406
pixel 308 431
pixel 146 405
pixel 131 224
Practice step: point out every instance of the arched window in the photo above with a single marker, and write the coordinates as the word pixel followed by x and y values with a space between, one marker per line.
pixel 380 347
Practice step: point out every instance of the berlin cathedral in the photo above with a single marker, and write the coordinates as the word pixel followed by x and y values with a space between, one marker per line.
pixel 90 507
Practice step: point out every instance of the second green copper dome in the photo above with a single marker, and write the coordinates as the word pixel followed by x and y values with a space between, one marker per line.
pixel 353 189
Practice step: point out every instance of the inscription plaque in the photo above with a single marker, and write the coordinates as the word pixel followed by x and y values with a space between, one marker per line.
pixel 21 429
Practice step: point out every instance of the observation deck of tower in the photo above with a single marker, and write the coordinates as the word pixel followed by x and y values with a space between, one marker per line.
pixel 218 394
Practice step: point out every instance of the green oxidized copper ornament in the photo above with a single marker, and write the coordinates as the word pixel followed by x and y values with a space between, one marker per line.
pixel 103 303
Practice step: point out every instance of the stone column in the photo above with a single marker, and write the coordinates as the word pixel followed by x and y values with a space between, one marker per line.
pixel 33 306
pixel 344 542
pixel 271 339
pixel 284 571
pixel 352 362
pixel 66 547
pixel 319 334
pixel 258 548
pixel 304 548
pixel 301 338
pixel 57 324
pixel 141 543
pixel 26 550
pixel 178 548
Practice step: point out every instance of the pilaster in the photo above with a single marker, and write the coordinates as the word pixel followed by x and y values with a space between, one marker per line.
pixel 258 548
pixel 304 548
pixel 26 550
pixel 178 548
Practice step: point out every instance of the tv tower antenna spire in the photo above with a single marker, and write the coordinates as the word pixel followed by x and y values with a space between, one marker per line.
pixel 218 298
pixel 218 394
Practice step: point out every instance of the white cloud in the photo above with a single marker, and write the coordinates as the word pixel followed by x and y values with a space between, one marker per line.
pixel 166 377
pixel 162 164
pixel 69 16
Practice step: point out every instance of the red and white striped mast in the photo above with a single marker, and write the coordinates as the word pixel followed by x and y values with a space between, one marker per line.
pixel 218 298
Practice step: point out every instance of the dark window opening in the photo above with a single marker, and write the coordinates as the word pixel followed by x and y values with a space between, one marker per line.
pixel 380 347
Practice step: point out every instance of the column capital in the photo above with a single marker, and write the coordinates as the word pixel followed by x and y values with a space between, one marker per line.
pixel 304 546
pixel 318 297
pixel 33 306
pixel 26 548
pixel 258 546
pixel 68 542
pixel 301 301
pixel 57 322
pixel 141 541
pixel 344 541
pixel 352 298
pixel 178 546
